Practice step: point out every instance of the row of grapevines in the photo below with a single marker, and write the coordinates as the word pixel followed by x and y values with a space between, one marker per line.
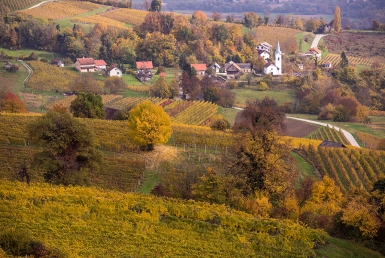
pixel 335 59
pixel 196 114
pixel 330 134
pixel 146 226
pixel 61 10
pixel 369 140
pixel 19 4
pixel 348 167
pixel 131 16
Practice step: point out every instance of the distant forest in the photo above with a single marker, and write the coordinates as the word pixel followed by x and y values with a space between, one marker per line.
pixel 359 13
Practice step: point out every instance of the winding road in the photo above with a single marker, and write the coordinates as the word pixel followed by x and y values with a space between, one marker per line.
pixel 348 135
pixel 317 39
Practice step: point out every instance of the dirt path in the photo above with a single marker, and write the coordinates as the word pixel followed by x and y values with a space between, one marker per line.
pixel 317 39
pixel 37 5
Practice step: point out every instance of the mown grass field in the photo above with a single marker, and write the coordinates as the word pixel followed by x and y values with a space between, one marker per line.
pixel 27 51
pixel 12 81
pixel 242 95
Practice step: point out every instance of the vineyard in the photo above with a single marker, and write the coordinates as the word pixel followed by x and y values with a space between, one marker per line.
pixel 112 224
pixel 14 5
pixel 130 16
pixel 335 59
pixel 61 10
pixel 348 167
pixel 47 77
pixel 369 141
pixel 330 134
pixel 274 34
pixel 66 101
pixel 100 19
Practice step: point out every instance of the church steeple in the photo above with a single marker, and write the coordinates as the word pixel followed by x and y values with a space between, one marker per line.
pixel 278 59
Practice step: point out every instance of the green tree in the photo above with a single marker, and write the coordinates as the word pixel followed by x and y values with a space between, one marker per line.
pixel 344 60
pixel 337 20
pixel 87 105
pixel 148 125
pixel 341 114
pixel 87 83
pixel 161 89
pixel 115 84
pixel 68 147
pixel 156 6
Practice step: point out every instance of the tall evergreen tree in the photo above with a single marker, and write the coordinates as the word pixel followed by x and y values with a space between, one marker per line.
pixel 344 60
pixel 337 20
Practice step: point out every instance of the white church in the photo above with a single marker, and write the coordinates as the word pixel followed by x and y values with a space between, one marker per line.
pixel 276 67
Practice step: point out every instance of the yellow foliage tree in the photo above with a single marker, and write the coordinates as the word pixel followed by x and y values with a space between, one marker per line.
pixel 148 125
pixel 337 19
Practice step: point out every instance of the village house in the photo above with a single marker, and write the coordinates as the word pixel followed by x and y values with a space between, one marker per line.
pixel 144 71
pixel 328 65
pixel 216 67
pixel 85 64
pixel 100 65
pixel 199 68
pixel 114 71
pixel 234 69
pixel 57 62
pixel 265 54
pixel 264 46
pixel 315 52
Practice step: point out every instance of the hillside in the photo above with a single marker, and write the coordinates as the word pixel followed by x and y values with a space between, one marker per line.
pixel 92 223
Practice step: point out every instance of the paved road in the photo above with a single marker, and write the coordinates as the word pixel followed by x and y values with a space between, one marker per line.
pixel 348 135
pixel 36 5
pixel 317 39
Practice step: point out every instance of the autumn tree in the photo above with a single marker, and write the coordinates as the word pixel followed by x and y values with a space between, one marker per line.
pixel 216 16
pixel 161 89
pixel 156 6
pixel 198 17
pixel 115 84
pixel 251 20
pixel 337 20
pixel 68 147
pixel 11 103
pixel 87 105
pixel 87 83
pixel 148 125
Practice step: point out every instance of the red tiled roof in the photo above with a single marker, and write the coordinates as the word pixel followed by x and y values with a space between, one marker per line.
pixel 162 74
pixel 199 67
pixel 100 63
pixel 86 61
pixel 144 65
pixel 315 49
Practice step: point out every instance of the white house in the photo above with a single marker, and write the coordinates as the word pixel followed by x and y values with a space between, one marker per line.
pixel 100 65
pixel 84 65
pixel 199 68
pixel 276 68
pixel 216 67
pixel 264 53
pixel 314 51
pixel 265 46
pixel 114 71
pixel 328 65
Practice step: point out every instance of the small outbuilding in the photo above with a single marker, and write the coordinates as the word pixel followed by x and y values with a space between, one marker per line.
pixel 331 144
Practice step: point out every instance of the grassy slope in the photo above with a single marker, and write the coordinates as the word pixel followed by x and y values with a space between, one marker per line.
pixel 302 45
pixel 241 95
pixel 27 52
pixel 12 81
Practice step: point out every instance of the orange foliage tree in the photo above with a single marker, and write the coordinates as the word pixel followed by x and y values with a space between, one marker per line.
pixel 11 103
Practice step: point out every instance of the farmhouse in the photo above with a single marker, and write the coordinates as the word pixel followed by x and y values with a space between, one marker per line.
pixel 199 68
pixel 85 65
pixel 314 51
pixel 216 67
pixel 57 62
pixel 263 53
pixel 144 71
pixel 233 69
pixel 328 65
pixel 275 68
pixel 100 65
pixel 114 71
pixel 264 46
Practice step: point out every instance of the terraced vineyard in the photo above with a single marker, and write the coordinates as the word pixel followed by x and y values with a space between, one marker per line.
pixel 130 16
pixel 112 224
pixel 348 167
pixel 100 19
pixel 61 10
pixel 335 59
pixel 330 134
pixel 197 113
pixel 19 4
